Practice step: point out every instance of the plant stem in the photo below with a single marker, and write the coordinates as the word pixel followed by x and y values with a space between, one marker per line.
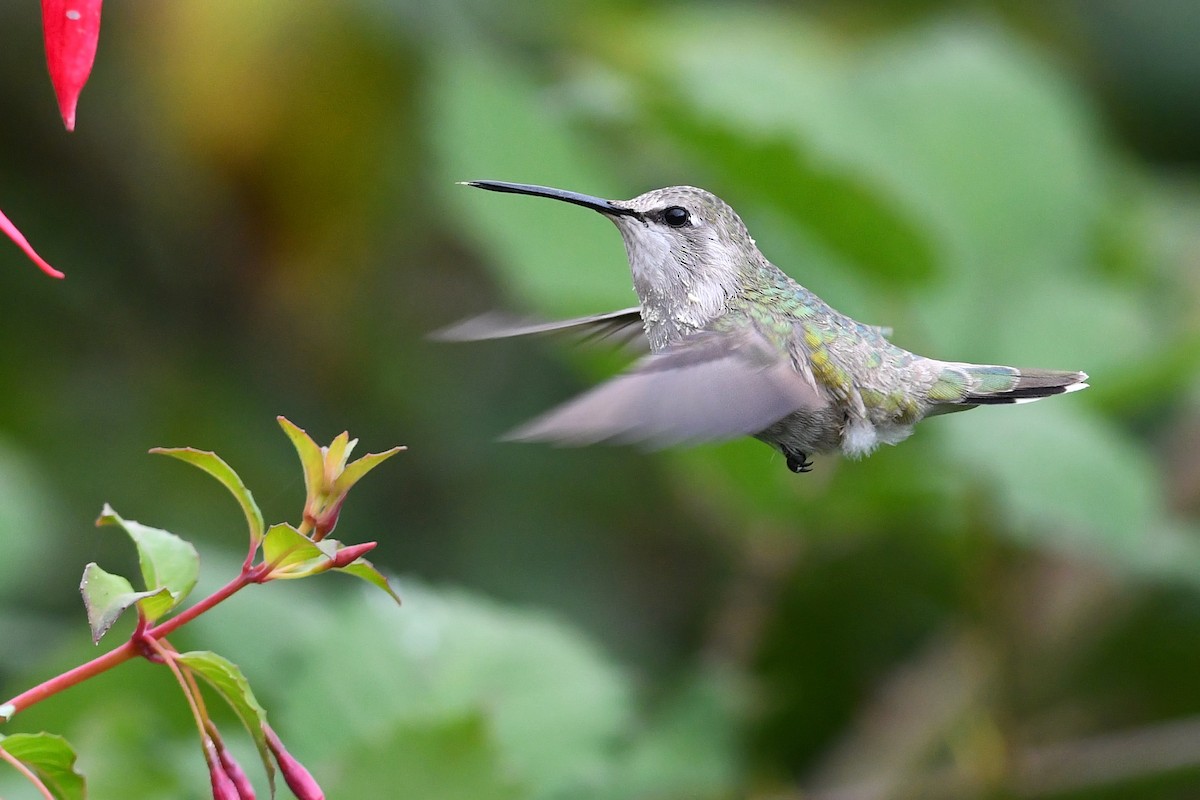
pixel 29 774
pixel 190 690
pixel 243 579
pixel 124 652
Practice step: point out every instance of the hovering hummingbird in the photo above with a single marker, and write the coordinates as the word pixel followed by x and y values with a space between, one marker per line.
pixel 739 348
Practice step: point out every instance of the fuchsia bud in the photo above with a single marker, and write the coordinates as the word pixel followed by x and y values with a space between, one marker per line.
pixel 70 29
pixel 328 476
pixel 348 555
pixel 298 779
pixel 237 775
pixel 223 787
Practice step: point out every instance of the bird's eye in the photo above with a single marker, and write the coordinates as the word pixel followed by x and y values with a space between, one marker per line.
pixel 676 216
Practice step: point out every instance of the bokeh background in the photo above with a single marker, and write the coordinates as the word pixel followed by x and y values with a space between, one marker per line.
pixel 258 216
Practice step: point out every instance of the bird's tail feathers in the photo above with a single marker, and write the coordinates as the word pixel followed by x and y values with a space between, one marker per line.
pixel 983 384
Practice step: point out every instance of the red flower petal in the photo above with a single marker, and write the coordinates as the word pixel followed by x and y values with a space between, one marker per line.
pixel 71 29
pixel 11 231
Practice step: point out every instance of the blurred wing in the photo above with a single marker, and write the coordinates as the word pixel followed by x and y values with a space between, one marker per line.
pixel 710 386
pixel 621 327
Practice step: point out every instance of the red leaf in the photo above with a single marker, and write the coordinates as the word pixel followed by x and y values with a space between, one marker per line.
pixel 11 231
pixel 71 29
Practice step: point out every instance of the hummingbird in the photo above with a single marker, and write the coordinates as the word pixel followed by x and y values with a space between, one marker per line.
pixel 739 348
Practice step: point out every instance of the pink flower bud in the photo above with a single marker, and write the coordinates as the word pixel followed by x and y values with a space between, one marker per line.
pixel 298 779
pixel 223 788
pixel 70 29
pixel 347 555
pixel 245 789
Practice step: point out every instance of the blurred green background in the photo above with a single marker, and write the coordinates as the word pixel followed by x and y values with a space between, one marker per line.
pixel 258 216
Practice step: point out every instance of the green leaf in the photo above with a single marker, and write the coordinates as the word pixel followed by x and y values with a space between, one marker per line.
pixel 227 680
pixel 837 205
pixel 975 124
pixel 689 748
pixel 361 568
pixel 166 560
pixel 214 465
pixel 445 760
pixel 106 596
pixel 1064 481
pixel 339 450
pixel 52 758
pixel 557 258
pixel 958 123
pixel 294 554
pixel 554 702
pixel 354 471
pixel 312 460
pixel 27 524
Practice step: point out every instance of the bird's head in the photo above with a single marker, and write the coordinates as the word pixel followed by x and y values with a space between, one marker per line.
pixel 688 250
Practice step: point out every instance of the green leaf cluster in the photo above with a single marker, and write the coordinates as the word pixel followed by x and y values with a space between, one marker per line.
pixel 169 567
pixel 482 701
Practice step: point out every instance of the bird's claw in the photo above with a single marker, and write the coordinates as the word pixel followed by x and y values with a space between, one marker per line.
pixel 798 462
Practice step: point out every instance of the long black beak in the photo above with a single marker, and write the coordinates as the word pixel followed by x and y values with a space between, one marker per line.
pixel 585 200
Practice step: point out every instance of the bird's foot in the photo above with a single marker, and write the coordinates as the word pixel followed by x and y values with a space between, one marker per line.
pixel 798 462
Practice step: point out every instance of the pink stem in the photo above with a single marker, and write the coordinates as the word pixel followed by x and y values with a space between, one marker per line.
pixel 29 774
pixel 123 653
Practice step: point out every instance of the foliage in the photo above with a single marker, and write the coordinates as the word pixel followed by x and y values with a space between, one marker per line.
pixel 269 221
pixel 170 568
